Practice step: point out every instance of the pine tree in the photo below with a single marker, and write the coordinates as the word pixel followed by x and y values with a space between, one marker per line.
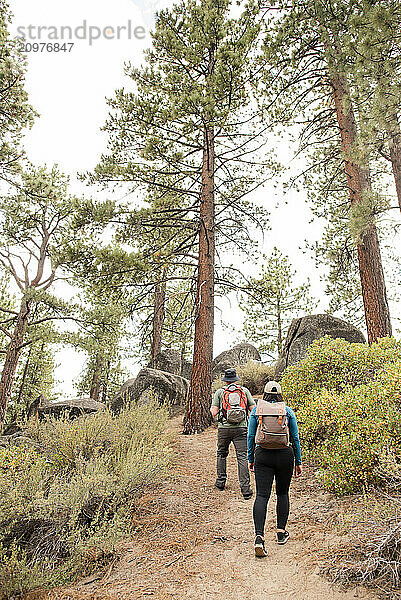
pixel 35 372
pixel 16 113
pixel 372 48
pixel 311 72
pixel 271 301
pixel 35 221
pixel 103 313
pixel 190 129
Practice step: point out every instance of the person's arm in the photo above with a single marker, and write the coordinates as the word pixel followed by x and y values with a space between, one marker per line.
pixel 294 432
pixel 214 409
pixel 251 401
pixel 252 426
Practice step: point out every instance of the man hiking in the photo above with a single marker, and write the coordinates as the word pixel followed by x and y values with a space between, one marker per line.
pixel 231 404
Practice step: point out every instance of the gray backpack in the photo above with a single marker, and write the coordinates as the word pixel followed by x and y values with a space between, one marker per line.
pixel 272 432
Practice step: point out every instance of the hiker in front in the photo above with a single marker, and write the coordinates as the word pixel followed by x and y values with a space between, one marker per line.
pixel 231 404
pixel 273 430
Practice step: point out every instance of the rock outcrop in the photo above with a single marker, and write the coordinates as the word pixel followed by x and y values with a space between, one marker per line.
pixel 165 388
pixel 74 407
pixel 171 361
pixel 305 330
pixel 20 438
pixel 239 355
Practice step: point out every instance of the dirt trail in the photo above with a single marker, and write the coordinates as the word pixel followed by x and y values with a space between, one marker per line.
pixel 194 542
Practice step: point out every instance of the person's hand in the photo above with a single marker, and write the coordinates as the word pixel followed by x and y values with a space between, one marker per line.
pixel 298 470
pixel 252 467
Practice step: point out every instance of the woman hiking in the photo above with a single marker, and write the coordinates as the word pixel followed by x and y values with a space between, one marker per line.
pixel 273 430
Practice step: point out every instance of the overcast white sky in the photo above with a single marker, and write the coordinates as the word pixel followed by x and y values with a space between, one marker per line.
pixel 68 90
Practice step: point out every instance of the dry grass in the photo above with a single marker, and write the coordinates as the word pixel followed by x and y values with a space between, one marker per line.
pixel 372 553
pixel 254 376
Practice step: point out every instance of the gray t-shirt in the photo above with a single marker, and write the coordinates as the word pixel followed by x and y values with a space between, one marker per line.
pixel 217 400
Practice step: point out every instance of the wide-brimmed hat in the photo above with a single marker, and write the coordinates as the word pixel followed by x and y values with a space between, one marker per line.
pixel 230 375
pixel 272 387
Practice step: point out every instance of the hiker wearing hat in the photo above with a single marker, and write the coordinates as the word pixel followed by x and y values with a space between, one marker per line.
pixel 273 430
pixel 231 404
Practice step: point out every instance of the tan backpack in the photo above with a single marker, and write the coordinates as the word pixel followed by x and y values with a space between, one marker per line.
pixel 272 432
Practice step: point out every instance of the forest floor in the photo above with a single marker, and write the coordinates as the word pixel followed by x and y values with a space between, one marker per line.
pixel 195 542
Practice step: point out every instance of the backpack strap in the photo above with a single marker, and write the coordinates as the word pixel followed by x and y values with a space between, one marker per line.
pixel 221 410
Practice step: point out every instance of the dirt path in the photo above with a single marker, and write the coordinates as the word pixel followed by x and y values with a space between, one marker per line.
pixel 194 542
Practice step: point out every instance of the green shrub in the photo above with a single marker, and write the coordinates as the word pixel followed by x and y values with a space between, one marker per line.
pixel 348 398
pixel 77 490
pixel 254 376
pixel 17 574
pixel 336 364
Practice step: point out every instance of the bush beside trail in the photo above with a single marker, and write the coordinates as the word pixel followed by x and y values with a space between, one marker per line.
pixel 253 375
pixel 348 399
pixel 63 508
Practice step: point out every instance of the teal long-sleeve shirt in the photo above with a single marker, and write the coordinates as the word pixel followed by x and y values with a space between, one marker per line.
pixel 294 434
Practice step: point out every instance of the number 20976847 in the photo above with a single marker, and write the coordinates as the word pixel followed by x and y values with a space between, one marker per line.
pixel 45 46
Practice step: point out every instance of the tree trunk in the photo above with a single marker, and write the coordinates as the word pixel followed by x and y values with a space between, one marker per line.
pixel 394 141
pixel 11 360
pixel 197 416
pixel 24 374
pixel 158 316
pixel 377 314
pixel 106 383
pixel 97 379
pixel 279 330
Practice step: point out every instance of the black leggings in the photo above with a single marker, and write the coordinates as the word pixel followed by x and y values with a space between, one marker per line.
pixel 270 464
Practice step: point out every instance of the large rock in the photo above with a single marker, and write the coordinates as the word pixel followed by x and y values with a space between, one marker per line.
pixel 41 408
pixel 73 408
pixel 171 361
pixel 186 369
pixel 305 330
pixel 239 355
pixel 165 388
pixel 20 438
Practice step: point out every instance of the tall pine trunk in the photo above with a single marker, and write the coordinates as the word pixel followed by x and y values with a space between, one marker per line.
pixel 197 416
pixel 377 314
pixel 394 141
pixel 97 378
pixel 24 374
pixel 11 360
pixel 105 385
pixel 279 329
pixel 158 316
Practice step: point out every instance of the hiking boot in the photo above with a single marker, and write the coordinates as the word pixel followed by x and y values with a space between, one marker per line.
pixel 247 495
pixel 260 550
pixel 220 486
pixel 282 537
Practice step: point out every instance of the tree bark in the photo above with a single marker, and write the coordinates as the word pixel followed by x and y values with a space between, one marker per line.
pixel 106 383
pixel 377 314
pixel 394 141
pixel 11 360
pixel 97 379
pixel 197 416
pixel 279 330
pixel 24 374
pixel 158 316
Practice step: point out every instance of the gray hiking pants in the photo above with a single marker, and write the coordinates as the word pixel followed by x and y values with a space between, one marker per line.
pixel 238 436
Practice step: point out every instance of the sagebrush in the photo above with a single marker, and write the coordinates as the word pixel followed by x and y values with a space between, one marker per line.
pixel 74 490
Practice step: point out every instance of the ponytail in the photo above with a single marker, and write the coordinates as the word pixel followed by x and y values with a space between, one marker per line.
pixel 269 397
